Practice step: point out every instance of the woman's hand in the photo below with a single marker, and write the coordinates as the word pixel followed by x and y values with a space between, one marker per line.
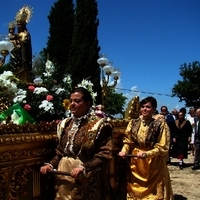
pixel 174 140
pixel 122 154
pixel 141 154
pixel 77 171
pixel 45 168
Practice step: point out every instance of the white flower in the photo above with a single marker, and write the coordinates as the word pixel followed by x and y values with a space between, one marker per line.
pixel 20 96
pixel 88 85
pixel 59 91
pixel 6 82
pixel 39 90
pixel 6 75
pixel 49 68
pixel 21 92
pixel 46 74
pixel 67 79
pixel 11 86
pixel 47 106
pixel 94 95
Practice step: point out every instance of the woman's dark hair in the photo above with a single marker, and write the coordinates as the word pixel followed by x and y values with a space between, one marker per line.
pixel 150 99
pixel 182 113
pixel 86 94
pixel 183 110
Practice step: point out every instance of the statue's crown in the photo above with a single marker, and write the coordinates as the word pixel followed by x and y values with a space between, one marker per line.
pixel 24 14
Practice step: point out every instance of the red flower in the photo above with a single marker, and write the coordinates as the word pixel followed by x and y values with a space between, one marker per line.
pixel 27 107
pixel 31 88
pixel 49 97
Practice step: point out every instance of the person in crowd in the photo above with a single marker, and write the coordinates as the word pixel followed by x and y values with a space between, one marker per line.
pixel 181 138
pixel 183 110
pixel 191 118
pixel 175 114
pixel 21 54
pixel 146 143
pixel 168 116
pixel 157 115
pixel 171 123
pixel 84 149
pixel 197 141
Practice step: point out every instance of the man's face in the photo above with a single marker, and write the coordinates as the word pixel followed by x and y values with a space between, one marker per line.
pixel 198 113
pixel 163 110
pixel 77 105
pixel 192 112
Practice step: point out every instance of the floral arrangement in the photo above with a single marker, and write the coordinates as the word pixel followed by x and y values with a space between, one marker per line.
pixel 8 88
pixel 44 100
pixel 8 84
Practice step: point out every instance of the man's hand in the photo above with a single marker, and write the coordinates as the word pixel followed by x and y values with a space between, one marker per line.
pixel 77 171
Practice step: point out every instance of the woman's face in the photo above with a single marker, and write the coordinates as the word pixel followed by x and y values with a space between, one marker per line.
pixel 147 111
pixel 77 105
pixel 181 116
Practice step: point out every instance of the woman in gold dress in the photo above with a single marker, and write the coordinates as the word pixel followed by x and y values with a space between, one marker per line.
pixel 147 140
pixel 84 149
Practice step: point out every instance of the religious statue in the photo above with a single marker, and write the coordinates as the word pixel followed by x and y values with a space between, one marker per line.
pixel 21 55
pixel 134 110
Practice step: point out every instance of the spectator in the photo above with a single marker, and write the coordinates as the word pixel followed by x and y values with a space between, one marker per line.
pixel 171 123
pixel 181 138
pixel 197 141
pixel 175 114
pixel 190 118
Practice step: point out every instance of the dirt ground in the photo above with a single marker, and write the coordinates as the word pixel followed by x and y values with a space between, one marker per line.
pixel 186 182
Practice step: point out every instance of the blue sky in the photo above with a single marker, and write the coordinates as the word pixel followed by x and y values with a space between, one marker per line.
pixel 147 40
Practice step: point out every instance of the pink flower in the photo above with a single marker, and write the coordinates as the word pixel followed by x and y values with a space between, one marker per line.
pixel 27 107
pixel 49 97
pixel 31 88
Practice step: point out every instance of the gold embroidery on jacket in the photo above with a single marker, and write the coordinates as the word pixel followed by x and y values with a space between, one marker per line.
pixel 152 134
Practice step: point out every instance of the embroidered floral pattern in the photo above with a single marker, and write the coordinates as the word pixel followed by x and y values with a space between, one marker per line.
pixel 93 131
pixel 153 131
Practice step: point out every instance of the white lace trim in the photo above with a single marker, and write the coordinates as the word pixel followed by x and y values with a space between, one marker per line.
pixel 71 134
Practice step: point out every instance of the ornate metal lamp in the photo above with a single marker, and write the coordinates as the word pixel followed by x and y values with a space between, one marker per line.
pixel 5 47
pixel 107 70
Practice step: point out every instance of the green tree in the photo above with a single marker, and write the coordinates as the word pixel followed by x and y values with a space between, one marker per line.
pixel 61 19
pixel 114 102
pixel 188 89
pixel 84 50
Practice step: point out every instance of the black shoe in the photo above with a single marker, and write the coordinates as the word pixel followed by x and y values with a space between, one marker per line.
pixel 195 167
pixel 181 163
